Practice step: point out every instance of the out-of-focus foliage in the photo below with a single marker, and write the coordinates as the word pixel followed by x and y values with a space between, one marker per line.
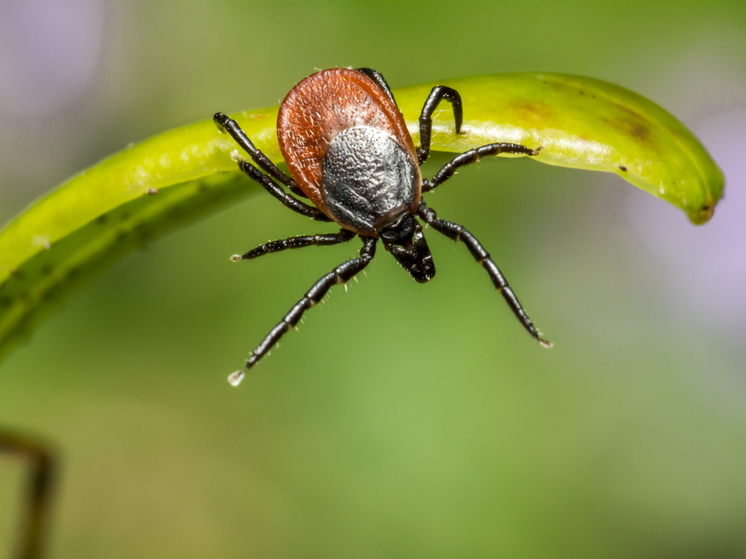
pixel 402 420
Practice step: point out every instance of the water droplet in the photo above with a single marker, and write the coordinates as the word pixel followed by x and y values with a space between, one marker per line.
pixel 236 378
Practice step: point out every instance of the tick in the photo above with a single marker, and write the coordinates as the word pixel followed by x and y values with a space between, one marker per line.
pixel 349 152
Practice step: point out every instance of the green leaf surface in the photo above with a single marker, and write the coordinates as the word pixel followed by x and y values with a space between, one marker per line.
pixel 174 178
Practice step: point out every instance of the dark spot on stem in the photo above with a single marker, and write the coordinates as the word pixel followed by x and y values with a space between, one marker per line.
pixel 534 111
pixel 623 168
pixel 639 131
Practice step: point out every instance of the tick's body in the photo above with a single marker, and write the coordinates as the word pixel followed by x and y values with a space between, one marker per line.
pixel 350 153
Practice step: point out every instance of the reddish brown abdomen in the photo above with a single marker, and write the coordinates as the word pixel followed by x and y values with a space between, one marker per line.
pixel 325 104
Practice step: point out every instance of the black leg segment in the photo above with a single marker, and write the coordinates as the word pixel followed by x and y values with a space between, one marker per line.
pixel 229 125
pixel 296 242
pixel 340 274
pixel 458 233
pixel 473 156
pixel 275 190
pixel 438 93
pixel 380 81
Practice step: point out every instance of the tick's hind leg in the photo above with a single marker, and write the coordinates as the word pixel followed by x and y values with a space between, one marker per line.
pixel 473 156
pixel 340 274
pixel 296 242
pixel 274 189
pixel 438 93
pixel 232 127
pixel 459 233
pixel 41 461
pixel 226 123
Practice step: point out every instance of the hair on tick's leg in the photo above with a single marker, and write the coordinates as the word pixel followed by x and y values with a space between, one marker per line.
pixel 459 233
pixel 296 242
pixel 340 274
pixel 473 156
pixel 227 124
pixel 438 93
pixel 274 189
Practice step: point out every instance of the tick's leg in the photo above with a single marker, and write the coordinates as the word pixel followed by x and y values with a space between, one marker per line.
pixel 296 242
pixel 458 233
pixel 380 81
pixel 229 125
pixel 340 274
pixel 40 483
pixel 275 190
pixel 472 156
pixel 438 93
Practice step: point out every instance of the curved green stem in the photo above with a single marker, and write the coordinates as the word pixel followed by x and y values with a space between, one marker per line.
pixel 174 178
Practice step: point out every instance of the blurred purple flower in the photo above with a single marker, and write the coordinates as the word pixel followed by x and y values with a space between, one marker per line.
pixel 50 52
pixel 706 265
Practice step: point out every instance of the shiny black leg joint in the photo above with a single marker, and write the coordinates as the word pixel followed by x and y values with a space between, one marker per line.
pixel 275 190
pixel 459 233
pixel 341 274
pixel 297 242
pixel 380 81
pixel 438 93
pixel 473 156
pixel 229 125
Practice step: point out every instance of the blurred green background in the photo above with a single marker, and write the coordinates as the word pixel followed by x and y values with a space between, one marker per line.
pixel 403 420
